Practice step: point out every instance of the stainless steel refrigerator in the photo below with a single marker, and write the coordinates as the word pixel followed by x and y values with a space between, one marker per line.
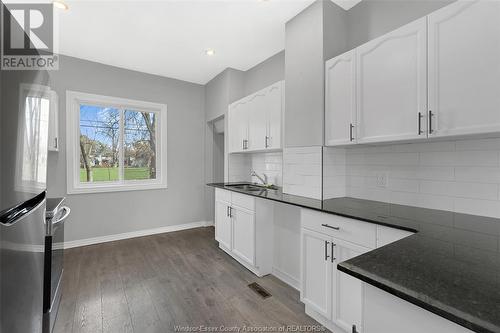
pixel 23 178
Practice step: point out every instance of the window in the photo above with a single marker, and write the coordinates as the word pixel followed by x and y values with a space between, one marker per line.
pixel 115 144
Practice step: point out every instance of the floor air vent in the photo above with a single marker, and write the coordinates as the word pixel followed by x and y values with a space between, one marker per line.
pixel 259 290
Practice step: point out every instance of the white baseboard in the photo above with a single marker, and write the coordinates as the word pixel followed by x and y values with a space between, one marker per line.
pixel 139 233
pixel 287 278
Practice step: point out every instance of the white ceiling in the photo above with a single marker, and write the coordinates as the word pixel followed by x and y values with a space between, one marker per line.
pixel 169 37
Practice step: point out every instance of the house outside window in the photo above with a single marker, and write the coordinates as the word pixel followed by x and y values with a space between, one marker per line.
pixel 115 144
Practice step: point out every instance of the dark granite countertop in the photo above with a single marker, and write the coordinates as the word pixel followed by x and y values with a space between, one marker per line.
pixel 450 266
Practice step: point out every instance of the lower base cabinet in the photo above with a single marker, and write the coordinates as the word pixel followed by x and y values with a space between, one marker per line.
pixel 244 230
pixel 333 298
pixel 244 234
pixel 386 313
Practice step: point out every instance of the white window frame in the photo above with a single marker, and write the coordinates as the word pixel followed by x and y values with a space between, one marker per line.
pixel 73 101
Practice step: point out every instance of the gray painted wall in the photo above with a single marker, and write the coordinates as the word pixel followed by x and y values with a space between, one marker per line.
pixel 104 214
pixel 313 35
pixel 303 78
pixel 264 74
pixel 217 95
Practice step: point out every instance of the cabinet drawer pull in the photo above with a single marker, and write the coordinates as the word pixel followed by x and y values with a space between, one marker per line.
pixel 420 123
pixel 351 136
pixel 326 250
pixel 267 141
pixel 430 122
pixel 330 226
pixel 227 211
pixel 332 257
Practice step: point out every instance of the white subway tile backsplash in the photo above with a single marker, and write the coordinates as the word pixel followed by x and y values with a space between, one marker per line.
pixel 461 176
pixel 477 207
pixel 270 164
pixel 438 158
pixel 403 185
pixel 484 144
pixel 477 191
pixel 476 158
pixel 302 171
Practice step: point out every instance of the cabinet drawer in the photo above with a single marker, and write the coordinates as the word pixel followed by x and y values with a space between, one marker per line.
pixel 358 232
pixel 222 195
pixel 243 201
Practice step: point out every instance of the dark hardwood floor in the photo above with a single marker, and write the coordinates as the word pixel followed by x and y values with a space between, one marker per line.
pixel 153 283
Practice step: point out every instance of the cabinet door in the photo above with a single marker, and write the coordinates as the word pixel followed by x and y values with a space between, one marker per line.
pixel 244 234
pixel 54 122
pixel 238 126
pixel 464 68
pixel 316 272
pixel 340 103
pixel 347 291
pixel 274 105
pixel 257 121
pixel 223 223
pixel 391 90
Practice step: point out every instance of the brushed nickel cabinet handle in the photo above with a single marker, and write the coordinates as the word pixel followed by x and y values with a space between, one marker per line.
pixel 351 136
pixel 420 123
pixel 430 122
pixel 332 257
pixel 326 250
pixel 330 226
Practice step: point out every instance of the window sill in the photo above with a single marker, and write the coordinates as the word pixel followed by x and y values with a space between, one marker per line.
pixel 104 188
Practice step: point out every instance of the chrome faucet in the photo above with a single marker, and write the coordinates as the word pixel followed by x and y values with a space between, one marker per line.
pixel 263 180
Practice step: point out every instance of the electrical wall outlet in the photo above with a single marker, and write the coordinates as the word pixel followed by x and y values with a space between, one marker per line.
pixel 382 179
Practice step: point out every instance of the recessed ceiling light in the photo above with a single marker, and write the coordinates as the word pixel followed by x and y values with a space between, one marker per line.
pixel 60 4
pixel 210 52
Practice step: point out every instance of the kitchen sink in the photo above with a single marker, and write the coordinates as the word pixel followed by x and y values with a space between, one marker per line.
pixel 252 187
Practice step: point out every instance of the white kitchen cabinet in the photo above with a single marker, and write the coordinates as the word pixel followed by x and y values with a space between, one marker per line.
pixel 238 126
pixel 464 68
pixel 223 223
pixel 316 271
pixel 274 103
pixel 347 307
pixel 243 234
pixel 384 313
pixel 49 102
pixel 255 121
pixel 392 85
pixel 331 297
pixel 53 122
pixel 244 229
pixel 340 99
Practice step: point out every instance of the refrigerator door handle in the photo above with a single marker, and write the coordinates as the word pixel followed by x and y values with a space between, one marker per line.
pixel 67 211
pixel 10 216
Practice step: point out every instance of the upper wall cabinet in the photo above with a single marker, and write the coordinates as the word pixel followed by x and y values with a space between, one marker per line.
pixel 238 126
pixel 436 77
pixel 464 68
pixel 340 99
pixel 391 79
pixel 255 122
